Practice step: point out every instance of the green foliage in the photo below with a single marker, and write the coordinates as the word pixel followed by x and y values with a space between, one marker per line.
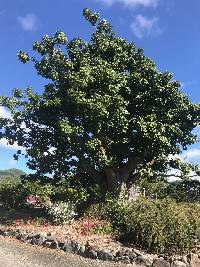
pixel 182 191
pixel 61 212
pixel 115 211
pixel 163 225
pixel 83 191
pixel 111 209
pixel 37 188
pixel 104 228
pixel 11 194
pixel 105 104
pixel 158 226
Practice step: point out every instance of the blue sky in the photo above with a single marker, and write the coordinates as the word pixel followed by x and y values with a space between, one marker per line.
pixel 168 31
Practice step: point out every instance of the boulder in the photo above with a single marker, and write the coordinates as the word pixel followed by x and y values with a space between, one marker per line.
pixel 68 247
pixel 51 238
pixel 105 255
pixel 92 254
pixel 82 250
pixel 54 245
pixel 142 261
pixel 160 262
pixel 178 264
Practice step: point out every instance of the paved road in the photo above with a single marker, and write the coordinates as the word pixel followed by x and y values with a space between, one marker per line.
pixel 14 253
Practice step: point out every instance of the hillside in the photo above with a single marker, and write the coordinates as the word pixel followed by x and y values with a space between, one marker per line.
pixel 11 173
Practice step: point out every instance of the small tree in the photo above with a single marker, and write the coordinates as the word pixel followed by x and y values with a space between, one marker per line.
pixel 106 111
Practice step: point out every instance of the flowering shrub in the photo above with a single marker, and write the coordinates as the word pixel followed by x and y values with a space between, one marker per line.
pixel 37 201
pixel 60 212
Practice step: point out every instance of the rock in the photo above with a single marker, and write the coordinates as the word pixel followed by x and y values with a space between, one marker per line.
pixel 178 264
pixel 137 252
pixel 32 235
pixel 160 262
pixel 75 246
pixel 24 237
pixel 120 253
pixel 92 254
pixel 37 235
pixel 47 244
pixel 54 245
pixel 130 254
pixel 125 259
pixel 51 238
pixel 82 251
pixel 28 241
pixel 105 255
pixel 67 247
pixel 61 244
pixel 18 236
pixel 34 241
pixel 142 261
pixel 11 233
pixel 43 234
pixel 185 260
pixel 38 241
pixel 2 232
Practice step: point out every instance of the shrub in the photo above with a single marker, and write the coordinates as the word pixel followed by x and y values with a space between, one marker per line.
pixel 159 226
pixel 61 212
pixel 112 210
pixel 115 211
pixel 37 188
pixel 11 194
pixel 163 225
pixel 66 193
pixel 103 228
pixel 14 194
pixel 182 191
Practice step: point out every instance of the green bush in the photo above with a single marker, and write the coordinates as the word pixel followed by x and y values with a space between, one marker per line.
pixel 112 210
pixel 182 191
pixel 66 193
pixel 11 194
pixel 163 225
pixel 37 188
pixel 105 228
pixel 158 226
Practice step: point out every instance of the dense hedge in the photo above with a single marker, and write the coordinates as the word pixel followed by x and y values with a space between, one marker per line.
pixel 163 225
pixel 159 226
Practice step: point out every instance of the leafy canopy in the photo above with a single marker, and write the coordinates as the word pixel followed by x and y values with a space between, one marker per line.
pixel 104 104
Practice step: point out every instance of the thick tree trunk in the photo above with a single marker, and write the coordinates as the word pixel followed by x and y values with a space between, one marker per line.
pixel 116 181
pixel 121 181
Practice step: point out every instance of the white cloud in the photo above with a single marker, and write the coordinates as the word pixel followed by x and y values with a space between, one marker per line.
pixel 144 26
pixel 29 22
pixel 193 153
pixel 132 3
pixel 173 175
pixel 15 146
pixel 4 113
